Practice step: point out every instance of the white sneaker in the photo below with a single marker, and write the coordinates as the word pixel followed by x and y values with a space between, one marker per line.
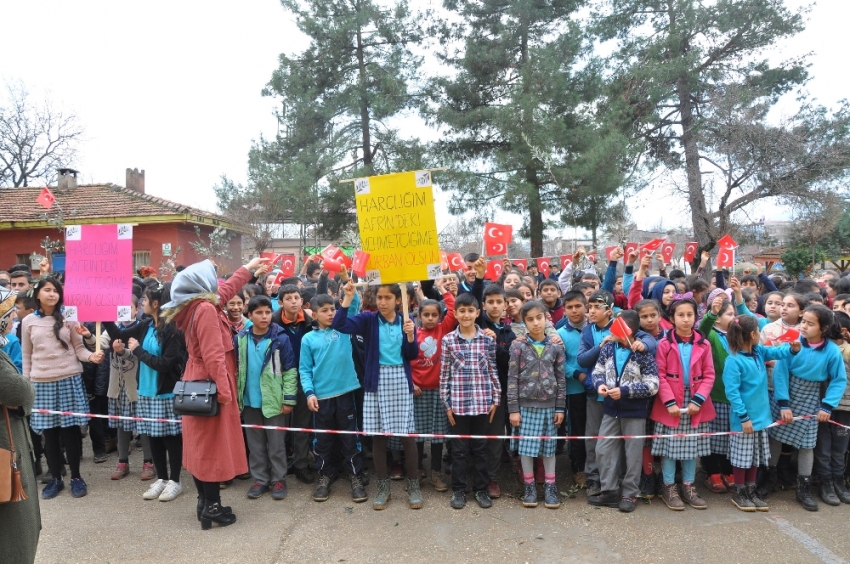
pixel 172 490
pixel 155 490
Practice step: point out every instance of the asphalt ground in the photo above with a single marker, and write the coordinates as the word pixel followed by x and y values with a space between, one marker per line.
pixel 113 524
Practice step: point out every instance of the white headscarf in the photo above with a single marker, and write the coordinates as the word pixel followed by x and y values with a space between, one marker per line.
pixel 7 306
pixel 199 278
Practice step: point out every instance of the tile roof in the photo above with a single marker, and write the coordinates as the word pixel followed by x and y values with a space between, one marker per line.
pixel 18 206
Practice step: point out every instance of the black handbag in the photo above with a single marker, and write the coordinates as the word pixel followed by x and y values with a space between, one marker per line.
pixel 198 398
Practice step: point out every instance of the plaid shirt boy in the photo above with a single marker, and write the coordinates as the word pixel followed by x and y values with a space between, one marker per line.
pixel 469 381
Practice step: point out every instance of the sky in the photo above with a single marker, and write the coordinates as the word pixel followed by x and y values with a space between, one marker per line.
pixel 174 88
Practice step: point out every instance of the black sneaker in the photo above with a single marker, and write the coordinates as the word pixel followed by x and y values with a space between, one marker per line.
pixel 767 481
pixel 100 457
pixel 484 501
pixel 529 495
pixel 841 489
pixel 627 504
pixel 323 488
pixel 458 500
pixel 551 498
pixel 605 499
pixel 647 485
pixel 305 475
pixel 594 488
pixel 257 490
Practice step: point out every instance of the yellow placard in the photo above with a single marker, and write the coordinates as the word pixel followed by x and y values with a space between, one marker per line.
pixel 398 227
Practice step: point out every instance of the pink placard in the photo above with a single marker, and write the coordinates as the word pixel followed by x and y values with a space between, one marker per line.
pixel 98 272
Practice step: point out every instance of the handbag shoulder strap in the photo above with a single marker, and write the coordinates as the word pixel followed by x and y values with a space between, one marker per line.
pixel 9 429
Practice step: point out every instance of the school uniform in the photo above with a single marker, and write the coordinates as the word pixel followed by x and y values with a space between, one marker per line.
pixel 504 337
pixel 745 378
pixel 576 400
pixel 833 440
pixel 797 383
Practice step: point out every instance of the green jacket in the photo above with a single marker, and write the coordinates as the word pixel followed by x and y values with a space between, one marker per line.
pixel 719 353
pixel 279 376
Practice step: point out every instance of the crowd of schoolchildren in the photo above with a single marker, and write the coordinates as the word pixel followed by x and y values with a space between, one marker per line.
pixel 527 355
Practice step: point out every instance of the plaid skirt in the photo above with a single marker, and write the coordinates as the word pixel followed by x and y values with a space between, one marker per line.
pixel 746 451
pixel 68 394
pixel 720 424
pixel 535 421
pixel 682 448
pixel 157 408
pixel 390 409
pixel 429 416
pixel 804 400
pixel 122 407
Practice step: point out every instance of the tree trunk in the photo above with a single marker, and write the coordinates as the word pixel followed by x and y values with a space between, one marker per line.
pixel 364 103
pixel 535 212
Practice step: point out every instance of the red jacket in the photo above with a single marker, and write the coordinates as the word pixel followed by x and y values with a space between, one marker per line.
pixel 671 385
pixel 213 447
pixel 425 370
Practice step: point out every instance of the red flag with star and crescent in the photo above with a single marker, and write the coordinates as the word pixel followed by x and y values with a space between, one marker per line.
pixel 497 237
pixel 456 261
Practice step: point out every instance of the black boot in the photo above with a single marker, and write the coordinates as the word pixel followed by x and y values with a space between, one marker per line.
pixel 827 491
pixel 766 482
pixel 200 508
pixel 840 489
pixel 213 513
pixel 804 496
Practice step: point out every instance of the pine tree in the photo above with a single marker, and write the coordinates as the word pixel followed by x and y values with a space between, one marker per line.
pixel 519 111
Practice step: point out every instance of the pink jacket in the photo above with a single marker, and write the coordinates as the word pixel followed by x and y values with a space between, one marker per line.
pixel 671 386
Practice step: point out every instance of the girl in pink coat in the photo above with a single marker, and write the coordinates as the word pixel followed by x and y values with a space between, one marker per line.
pixel 683 405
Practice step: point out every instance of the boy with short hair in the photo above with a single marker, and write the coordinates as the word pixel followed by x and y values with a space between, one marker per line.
pixel 266 386
pixel 626 378
pixel 594 336
pixel 550 295
pixel 329 380
pixel 471 393
pixel 491 323
pixel 574 321
pixel 296 323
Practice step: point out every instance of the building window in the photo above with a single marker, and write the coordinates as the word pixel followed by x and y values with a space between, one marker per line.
pixel 23 259
pixel 140 259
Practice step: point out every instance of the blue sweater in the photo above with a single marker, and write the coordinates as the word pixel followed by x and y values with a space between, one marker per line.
pixel 572 339
pixel 327 365
pixel 13 349
pixel 366 325
pixel 823 364
pixel 745 380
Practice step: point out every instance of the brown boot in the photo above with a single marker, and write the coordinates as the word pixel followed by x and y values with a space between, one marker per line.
pixel 692 498
pixel 670 495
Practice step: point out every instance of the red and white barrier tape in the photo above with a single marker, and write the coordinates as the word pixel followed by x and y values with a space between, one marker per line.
pixel 422 435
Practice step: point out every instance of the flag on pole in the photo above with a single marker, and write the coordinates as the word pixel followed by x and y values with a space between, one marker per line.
pixel 566 260
pixel 521 264
pixel 621 329
pixel 629 248
pixel 46 198
pixel 543 266
pixel 361 259
pixel 456 261
pixel 667 252
pixel 727 243
pixel 497 237
pixel 494 270
pixel 725 258
pixel 691 251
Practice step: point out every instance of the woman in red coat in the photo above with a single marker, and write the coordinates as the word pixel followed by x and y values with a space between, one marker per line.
pixel 213 447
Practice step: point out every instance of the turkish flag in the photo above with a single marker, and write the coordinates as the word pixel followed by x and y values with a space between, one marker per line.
pixel 494 270
pixel 691 251
pixel 521 264
pixel 361 259
pixel 609 251
pixel 789 336
pixel 724 258
pixel 667 251
pixel 332 265
pixel 654 244
pixel 629 248
pixel 727 242
pixel 492 248
pixel 444 260
pixel 331 252
pixel 346 261
pixel 645 252
pixel 46 198
pixel 566 260
pixel 456 261
pixel 287 266
pixel 281 276
pixel 543 266
pixel 496 232
pixel 620 328
pixel 592 257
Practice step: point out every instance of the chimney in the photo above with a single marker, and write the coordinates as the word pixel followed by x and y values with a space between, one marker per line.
pixel 136 180
pixel 67 178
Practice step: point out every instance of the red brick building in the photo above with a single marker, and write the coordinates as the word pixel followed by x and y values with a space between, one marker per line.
pixel 158 224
